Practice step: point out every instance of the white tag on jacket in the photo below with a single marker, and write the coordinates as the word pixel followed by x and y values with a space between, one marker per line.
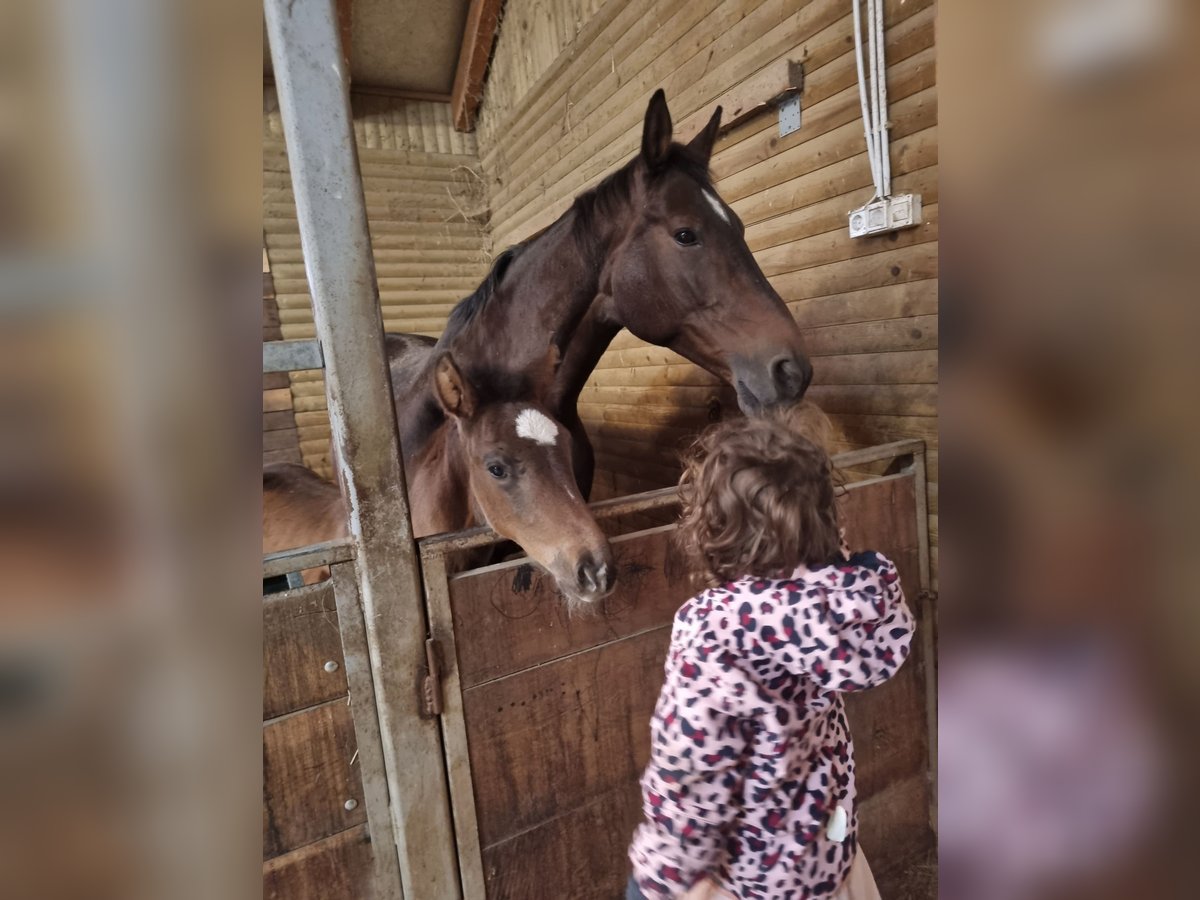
pixel 836 829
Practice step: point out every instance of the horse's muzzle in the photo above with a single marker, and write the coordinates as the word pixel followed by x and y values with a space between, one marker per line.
pixel 781 380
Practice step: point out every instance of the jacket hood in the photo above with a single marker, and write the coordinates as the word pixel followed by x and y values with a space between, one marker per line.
pixel 844 624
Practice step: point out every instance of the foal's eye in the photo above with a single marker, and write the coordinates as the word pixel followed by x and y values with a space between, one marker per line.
pixel 497 471
pixel 685 237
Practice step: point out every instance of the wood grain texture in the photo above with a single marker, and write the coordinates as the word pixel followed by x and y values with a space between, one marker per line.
pixel 307 777
pixel 547 740
pixel 300 635
pixel 556 711
pixel 336 868
pixel 429 246
pixel 581 856
pixel 510 616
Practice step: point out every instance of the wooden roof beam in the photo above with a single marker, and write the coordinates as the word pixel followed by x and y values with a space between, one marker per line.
pixel 478 36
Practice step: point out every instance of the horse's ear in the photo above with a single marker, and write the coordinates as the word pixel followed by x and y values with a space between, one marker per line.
pixel 656 134
pixel 454 392
pixel 702 143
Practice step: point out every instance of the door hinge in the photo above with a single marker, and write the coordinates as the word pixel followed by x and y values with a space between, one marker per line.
pixel 431 684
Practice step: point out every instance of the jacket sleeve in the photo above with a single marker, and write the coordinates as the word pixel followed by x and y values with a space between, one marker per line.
pixel 853 628
pixel 699 740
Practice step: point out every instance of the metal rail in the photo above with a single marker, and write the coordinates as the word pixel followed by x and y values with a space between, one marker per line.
pixel 314 101
pixel 325 554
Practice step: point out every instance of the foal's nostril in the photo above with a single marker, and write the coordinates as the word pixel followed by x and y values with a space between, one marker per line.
pixel 608 575
pixel 585 573
pixel 594 576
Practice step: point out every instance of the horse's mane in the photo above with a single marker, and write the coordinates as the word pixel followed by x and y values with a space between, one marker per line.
pixel 468 308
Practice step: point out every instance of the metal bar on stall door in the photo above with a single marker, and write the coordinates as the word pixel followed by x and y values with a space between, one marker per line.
pixel 314 102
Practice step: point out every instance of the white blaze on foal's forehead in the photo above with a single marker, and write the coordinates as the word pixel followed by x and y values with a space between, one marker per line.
pixel 716 204
pixel 537 426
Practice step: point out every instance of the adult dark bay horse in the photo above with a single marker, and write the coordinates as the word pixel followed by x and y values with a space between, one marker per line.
pixel 652 248
pixel 494 458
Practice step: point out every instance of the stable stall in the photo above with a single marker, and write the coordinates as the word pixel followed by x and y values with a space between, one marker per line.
pixel 433 732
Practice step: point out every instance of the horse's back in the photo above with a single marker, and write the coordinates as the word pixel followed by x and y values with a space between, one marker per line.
pixel 300 508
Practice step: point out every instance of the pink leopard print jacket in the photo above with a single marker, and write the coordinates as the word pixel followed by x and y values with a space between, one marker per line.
pixel 750 752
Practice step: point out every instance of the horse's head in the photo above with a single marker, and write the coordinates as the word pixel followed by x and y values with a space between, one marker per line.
pixel 518 467
pixel 683 277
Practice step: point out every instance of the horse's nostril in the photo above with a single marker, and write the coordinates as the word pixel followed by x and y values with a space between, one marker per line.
pixel 790 376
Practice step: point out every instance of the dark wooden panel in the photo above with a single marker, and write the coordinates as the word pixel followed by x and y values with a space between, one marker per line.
pixel 557 743
pixel 510 617
pixel 337 868
pixel 281 456
pixel 891 738
pixel 300 635
pixel 281 439
pixel 582 855
pixel 882 516
pixel 895 835
pixel 274 421
pixel 307 777
pixel 550 739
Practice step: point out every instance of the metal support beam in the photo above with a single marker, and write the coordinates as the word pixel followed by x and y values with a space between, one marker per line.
pixel 315 104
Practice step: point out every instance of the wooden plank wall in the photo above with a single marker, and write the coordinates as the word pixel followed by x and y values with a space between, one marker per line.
pixel 868 306
pixel 425 205
pixel 313 845
pixel 281 441
pixel 531 36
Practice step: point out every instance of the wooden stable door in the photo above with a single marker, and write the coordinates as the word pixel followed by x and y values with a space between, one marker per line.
pixel 546 719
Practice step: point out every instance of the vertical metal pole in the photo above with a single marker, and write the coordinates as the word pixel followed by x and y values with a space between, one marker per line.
pixel 314 101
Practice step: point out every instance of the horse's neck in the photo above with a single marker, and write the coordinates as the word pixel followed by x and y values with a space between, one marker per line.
pixel 543 298
pixel 583 352
pixel 438 488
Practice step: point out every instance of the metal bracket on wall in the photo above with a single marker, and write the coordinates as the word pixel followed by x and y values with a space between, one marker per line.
pixel 789 115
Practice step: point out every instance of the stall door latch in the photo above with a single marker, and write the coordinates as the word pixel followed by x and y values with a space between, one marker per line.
pixel 431 684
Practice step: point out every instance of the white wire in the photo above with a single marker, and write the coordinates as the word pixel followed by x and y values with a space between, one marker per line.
pixel 879 78
pixel 868 132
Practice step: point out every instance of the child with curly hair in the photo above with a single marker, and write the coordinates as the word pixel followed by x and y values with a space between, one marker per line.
pixel 749 792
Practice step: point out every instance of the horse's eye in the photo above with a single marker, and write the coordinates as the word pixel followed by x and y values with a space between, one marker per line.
pixel 685 237
pixel 496 470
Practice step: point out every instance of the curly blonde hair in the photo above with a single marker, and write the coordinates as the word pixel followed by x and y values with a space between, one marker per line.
pixel 758 500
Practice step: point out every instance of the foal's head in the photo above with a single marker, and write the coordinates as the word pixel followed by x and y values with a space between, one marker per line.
pixel 517 461
pixel 682 276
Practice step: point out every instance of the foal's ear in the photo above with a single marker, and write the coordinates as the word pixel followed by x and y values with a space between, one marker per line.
pixel 656 134
pixel 454 392
pixel 702 143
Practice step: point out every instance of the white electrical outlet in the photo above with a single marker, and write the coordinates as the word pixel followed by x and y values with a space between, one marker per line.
pixel 888 214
